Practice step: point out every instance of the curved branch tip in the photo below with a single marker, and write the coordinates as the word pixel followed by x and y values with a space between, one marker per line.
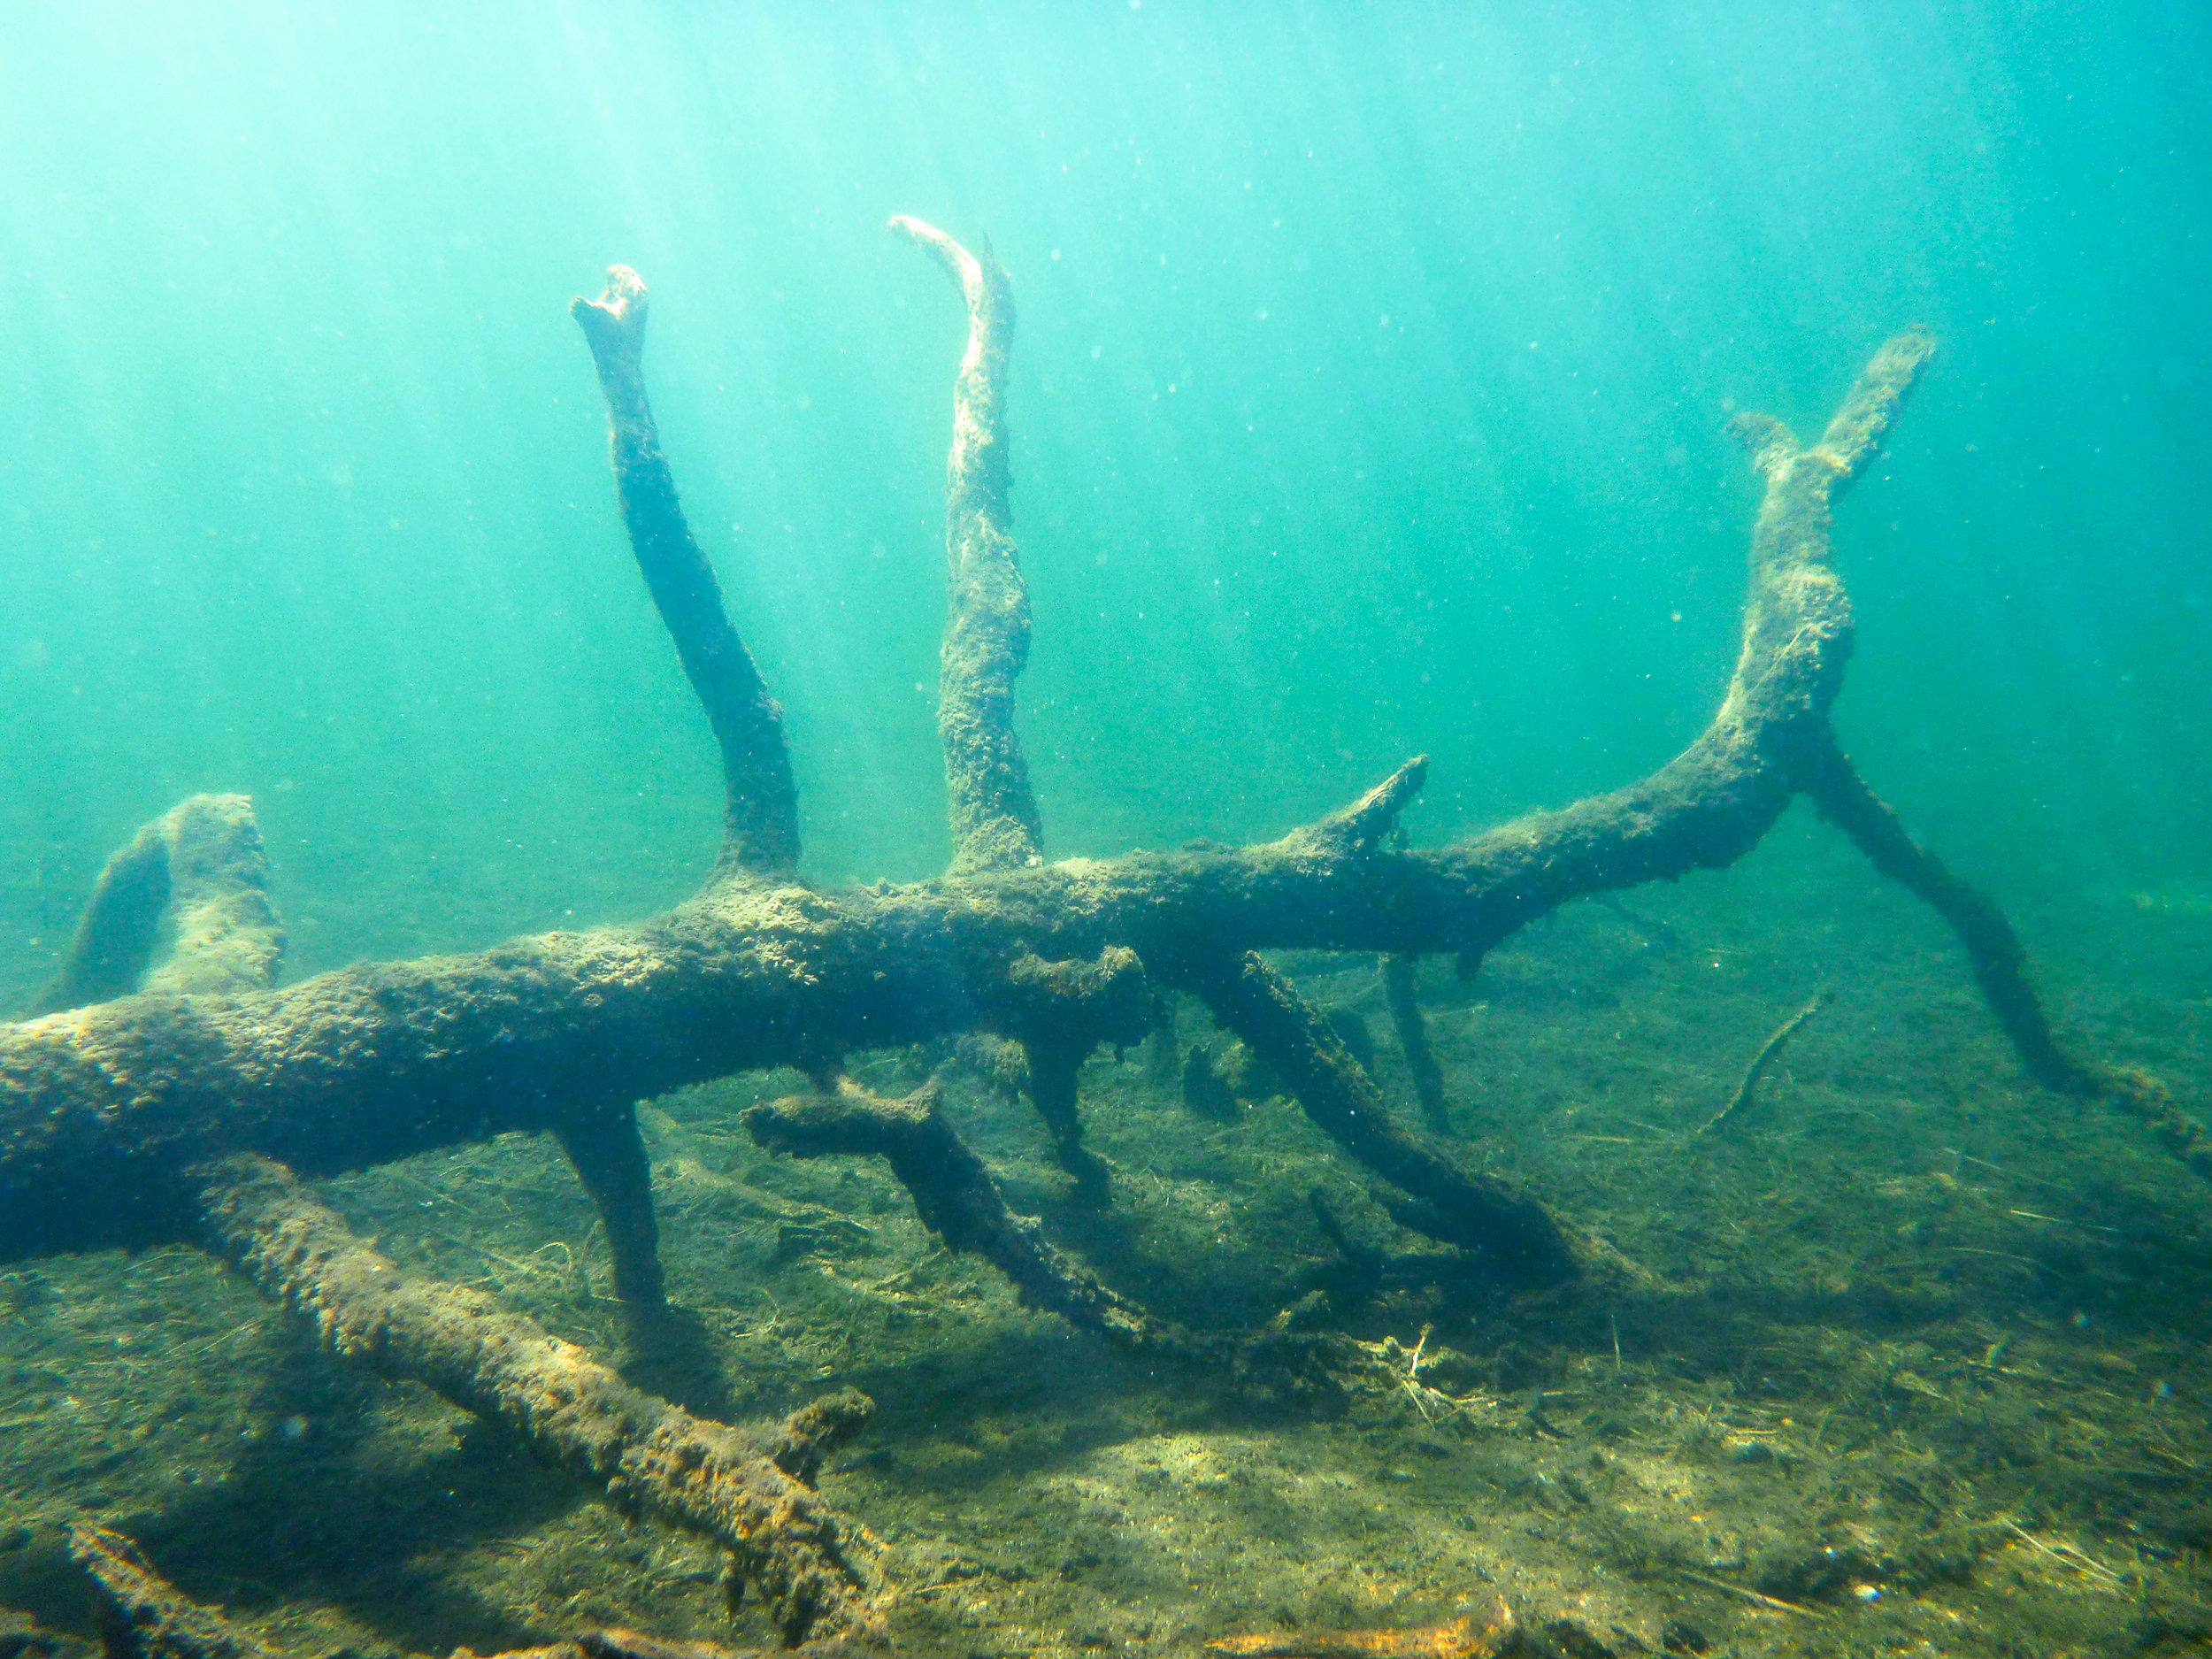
pixel 963 267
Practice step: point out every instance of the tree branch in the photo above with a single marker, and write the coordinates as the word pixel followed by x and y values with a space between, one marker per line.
pixel 143 1616
pixel 959 1202
pixel 651 1457
pixel 202 866
pixel 760 813
pixel 101 1107
pixel 994 821
pixel 1504 1228
pixel 1999 964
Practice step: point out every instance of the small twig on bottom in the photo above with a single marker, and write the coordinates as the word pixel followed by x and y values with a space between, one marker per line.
pixel 1755 1597
pixel 1759 1065
pixel 2070 1557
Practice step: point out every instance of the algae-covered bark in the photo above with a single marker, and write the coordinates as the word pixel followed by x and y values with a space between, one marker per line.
pixel 744 1489
pixel 960 1203
pixel 995 819
pixel 143 1616
pixel 102 1107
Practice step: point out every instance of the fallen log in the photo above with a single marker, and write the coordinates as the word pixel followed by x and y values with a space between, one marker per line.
pixel 107 1109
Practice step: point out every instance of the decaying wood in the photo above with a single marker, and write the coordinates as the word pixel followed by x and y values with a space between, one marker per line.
pixel 191 1106
pixel 960 1203
pixel 1506 1229
pixel 995 824
pixel 200 867
pixel 143 1616
pixel 1999 964
pixel 760 824
pixel 745 1489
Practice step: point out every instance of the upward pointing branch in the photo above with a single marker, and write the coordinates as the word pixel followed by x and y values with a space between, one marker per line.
pixel 994 821
pixel 760 811
pixel 1793 523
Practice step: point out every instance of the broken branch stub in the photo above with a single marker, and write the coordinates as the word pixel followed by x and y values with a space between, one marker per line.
pixel 760 817
pixel 202 867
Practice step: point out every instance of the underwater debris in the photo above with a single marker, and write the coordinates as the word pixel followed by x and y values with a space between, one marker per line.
pixel 200 867
pixel 128 1119
pixel 746 1489
pixel 143 1616
pixel 1768 1051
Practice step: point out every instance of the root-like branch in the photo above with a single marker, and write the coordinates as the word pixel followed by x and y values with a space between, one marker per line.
pixel 1060 1011
pixel 994 820
pixel 610 1158
pixel 1052 1078
pixel 959 1202
pixel 1999 964
pixel 760 819
pixel 653 1458
pixel 1507 1230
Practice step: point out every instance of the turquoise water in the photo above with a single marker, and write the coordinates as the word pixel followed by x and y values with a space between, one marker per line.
pixel 1368 400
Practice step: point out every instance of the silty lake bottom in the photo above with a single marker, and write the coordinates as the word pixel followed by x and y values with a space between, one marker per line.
pixel 1925 1371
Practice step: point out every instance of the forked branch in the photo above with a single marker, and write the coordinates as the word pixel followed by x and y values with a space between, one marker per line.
pixel 127 1120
